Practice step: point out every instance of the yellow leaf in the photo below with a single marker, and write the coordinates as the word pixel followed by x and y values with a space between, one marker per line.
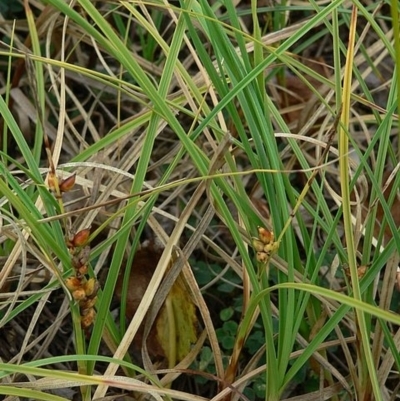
pixel 176 324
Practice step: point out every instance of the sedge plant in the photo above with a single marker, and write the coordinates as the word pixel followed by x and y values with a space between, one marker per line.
pixel 175 115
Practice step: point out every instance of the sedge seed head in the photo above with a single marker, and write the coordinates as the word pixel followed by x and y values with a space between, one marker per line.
pixel 81 237
pixel 271 248
pixel 91 287
pixel 82 258
pixel 87 317
pixel 73 283
pixel 68 183
pixel 86 304
pixel 79 294
pixel 262 257
pixel 265 235
pixel 257 244
pixel 82 270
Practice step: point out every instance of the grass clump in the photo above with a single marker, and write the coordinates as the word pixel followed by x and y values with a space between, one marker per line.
pixel 239 159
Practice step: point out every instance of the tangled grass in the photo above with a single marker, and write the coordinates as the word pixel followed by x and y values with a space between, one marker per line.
pixel 235 159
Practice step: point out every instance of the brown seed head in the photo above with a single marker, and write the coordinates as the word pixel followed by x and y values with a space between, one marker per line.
pixel 87 317
pixel 87 304
pixel 262 257
pixel 361 270
pixel 73 283
pixel 79 294
pixel 67 184
pixel 81 271
pixel 82 258
pixel 265 235
pixel 91 287
pixel 81 237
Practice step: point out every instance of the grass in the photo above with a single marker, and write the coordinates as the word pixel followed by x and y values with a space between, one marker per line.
pixel 191 125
